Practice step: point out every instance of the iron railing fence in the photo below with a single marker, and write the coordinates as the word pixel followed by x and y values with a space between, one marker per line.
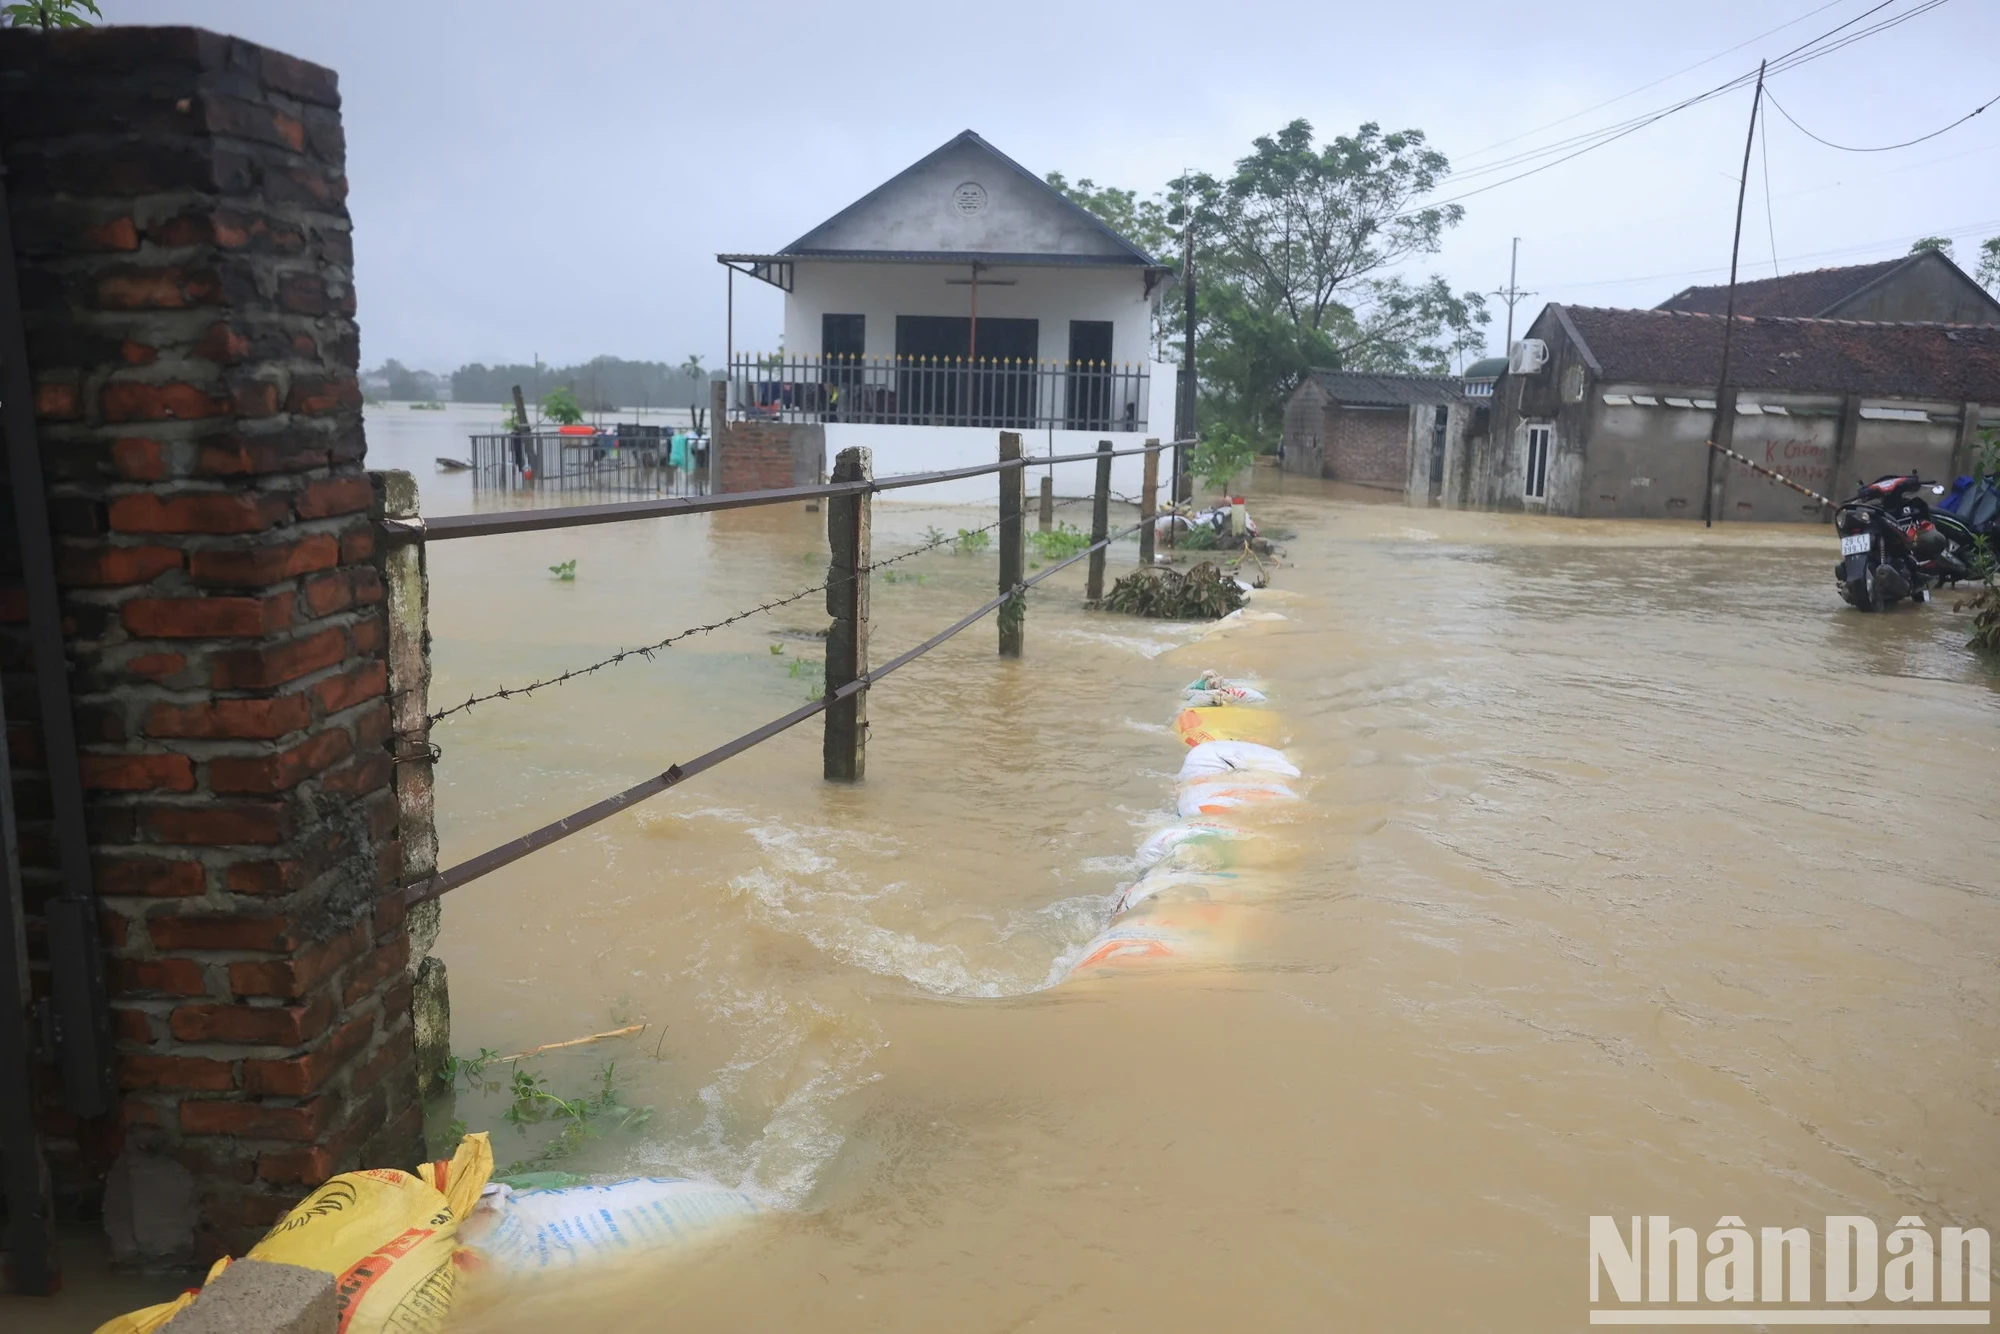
pixel 627 459
pixel 993 392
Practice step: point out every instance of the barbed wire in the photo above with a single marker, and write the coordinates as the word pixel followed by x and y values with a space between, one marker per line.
pixel 648 650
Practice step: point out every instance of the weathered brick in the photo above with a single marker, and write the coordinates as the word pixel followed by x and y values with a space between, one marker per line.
pixel 116 567
pixel 217 512
pixel 357 544
pixel 259 567
pixel 386 961
pixel 138 459
pixel 369 635
pixel 218 824
pixel 366 682
pixel 117 234
pixel 156 666
pixel 275 664
pixel 374 727
pixel 147 401
pixel 369 773
pixel 328 593
pixel 207 617
pixel 137 1071
pixel 137 353
pixel 222 344
pixel 170 977
pixel 131 1025
pixel 395 1055
pixel 255 1120
pixel 298 1076
pixel 230 719
pixel 137 773
pixel 257 455
pixel 253 1025
pixel 149 877
pixel 57 400
pixel 170 287
pixel 334 495
pixel 280 772
pixel 264 877
pixel 188 931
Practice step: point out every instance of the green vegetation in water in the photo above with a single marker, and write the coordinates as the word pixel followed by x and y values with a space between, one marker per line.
pixel 901 577
pixel 427 407
pixel 1059 542
pixel 971 542
pixel 1219 456
pixel 1204 593
pixel 934 536
pixel 566 571
pixel 1201 537
pixel 531 1102
pixel 559 405
pixel 777 649
pixel 1014 614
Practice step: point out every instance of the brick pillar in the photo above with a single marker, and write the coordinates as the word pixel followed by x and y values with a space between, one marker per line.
pixel 178 202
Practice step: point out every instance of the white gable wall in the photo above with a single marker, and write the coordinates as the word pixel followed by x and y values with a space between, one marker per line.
pixel 881 292
pixel 934 206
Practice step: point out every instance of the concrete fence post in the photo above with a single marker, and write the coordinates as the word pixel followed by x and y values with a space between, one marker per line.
pixel 845 750
pixel 406 605
pixel 1100 524
pixel 1047 516
pixel 178 208
pixel 1149 488
pixel 1013 555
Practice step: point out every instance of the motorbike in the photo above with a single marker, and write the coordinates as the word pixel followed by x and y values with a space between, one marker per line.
pixel 1893 545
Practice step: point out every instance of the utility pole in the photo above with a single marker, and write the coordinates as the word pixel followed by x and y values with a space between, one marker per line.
pixel 1188 391
pixel 1724 429
pixel 1512 293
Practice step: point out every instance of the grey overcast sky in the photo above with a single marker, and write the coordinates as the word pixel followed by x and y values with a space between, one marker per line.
pixel 535 178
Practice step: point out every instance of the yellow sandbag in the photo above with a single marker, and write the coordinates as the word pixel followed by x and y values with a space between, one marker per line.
pixel 388 1239
pixel 1228 724
pixel 149 1318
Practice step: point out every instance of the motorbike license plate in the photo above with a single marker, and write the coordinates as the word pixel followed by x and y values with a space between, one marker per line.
pixel 1854 545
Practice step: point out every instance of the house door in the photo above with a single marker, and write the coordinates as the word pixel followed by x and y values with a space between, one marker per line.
pixel 1437 455
pixel 1087 395
pixel 842 340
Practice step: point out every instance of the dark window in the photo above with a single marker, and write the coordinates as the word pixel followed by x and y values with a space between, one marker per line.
pixel 1087 393
pixel 842 340
pixel 937 382
pixel 1535 482
pixel 842 336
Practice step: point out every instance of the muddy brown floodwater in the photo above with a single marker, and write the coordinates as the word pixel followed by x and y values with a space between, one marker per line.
pixel 1635 875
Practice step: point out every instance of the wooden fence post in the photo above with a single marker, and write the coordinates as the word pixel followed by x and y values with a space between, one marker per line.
pixel 1014 611
pixel 1048 514
pixel 845 751
pixel 1100 524
pixel 1147 504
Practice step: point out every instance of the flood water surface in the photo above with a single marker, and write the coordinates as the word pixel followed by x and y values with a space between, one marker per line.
pixel 1633 875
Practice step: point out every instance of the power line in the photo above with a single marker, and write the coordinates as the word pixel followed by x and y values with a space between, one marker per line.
pixel 1799 55
pixel 1689 69
pixel 1884 148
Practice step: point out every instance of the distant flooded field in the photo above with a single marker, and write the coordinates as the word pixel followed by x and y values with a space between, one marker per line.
pixel 1634 875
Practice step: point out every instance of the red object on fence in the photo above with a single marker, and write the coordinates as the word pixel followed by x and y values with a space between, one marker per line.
pixel 578 429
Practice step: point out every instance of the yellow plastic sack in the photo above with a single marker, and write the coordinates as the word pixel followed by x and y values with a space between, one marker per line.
pixel 1228 724
pixel 149 1318
pixel 387 1237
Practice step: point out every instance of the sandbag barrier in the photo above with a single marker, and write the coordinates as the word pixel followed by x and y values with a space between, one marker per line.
pixel 1195 872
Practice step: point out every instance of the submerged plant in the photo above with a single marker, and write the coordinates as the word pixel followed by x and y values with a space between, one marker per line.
pixel 1204 593
pixel 566 571
pixel 971 541
pixel 1059 542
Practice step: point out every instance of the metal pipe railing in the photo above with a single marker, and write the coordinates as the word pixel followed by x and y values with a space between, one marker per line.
pixel 1005 393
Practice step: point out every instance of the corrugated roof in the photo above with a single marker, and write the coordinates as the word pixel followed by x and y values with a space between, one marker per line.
pixel 1486 368
pixel 1368 390
pixel 1952 362
pixel 1805 295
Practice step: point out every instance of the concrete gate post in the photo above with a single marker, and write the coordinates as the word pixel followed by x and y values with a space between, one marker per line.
pixel 178 203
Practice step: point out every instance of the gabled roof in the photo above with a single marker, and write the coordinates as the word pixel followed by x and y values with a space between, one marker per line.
pixel 1814 294
pixel 1065 232
pixel 1363 389
pixel 1950 362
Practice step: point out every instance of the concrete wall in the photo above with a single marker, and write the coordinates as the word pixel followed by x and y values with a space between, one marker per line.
pixel 881 292
pixel 1007 212
pixel 177 200
pixel 1933 290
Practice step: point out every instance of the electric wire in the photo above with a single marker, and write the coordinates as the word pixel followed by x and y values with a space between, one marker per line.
pixel 1880 148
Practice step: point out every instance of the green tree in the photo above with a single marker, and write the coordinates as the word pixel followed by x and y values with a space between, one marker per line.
pixel 1143 222
pixel 559 405
pixel 1941 244
pixel 48 14
pixel 1989 264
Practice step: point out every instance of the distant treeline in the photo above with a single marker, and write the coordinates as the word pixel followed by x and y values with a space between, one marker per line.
pixel 600 384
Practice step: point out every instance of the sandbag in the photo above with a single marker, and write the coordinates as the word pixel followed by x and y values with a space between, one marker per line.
pixel 1208 834
pixel 1195 886
pixel 1221 757
pixel 1177 932
pixel 387 1237
pixel 1211 688
pixel 1212 796
pixel 1225 724
pixel 518 1233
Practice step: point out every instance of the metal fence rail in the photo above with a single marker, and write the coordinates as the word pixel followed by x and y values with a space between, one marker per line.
pixel 1003 393
pixel 851 565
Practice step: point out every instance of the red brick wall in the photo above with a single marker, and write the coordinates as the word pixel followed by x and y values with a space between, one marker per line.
pixel 755 456
pixel 1369 447
pixel 178 200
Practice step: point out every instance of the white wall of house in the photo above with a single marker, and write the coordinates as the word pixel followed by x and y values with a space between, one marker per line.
pixel 1053 296
pixel 903 449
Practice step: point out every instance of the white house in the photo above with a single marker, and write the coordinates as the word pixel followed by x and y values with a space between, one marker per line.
pixel 960 298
